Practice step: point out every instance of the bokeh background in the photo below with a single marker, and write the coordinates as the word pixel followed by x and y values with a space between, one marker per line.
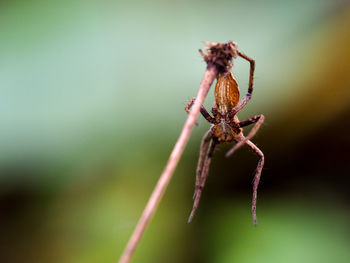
pixel 92 97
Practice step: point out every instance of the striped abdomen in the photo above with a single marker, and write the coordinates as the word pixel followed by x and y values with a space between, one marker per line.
pixel 226 93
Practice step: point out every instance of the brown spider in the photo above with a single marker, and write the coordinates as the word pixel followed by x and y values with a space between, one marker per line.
pixel 227 128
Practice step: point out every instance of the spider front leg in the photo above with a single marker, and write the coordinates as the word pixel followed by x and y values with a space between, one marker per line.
pixel 203 178
pixel 251 73
pixel 248 96
pixel 258 120
pixel 256 177
pixel 202 154
pixel 204 112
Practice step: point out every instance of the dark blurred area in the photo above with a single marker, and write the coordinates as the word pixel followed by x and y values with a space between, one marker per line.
pixel 92 101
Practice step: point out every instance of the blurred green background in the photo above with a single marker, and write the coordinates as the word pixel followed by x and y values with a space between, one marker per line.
pixel 92 97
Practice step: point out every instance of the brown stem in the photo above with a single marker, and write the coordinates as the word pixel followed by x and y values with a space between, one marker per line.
pixel 209 76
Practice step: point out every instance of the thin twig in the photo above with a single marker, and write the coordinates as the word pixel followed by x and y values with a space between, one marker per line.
pixel 174 158
pixel 209 76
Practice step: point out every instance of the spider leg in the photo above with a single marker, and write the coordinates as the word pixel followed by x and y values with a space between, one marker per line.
pixel 204 112
pixel 258 120
pixel 256 177
pixel 203 178
pixel 214 110
pixel 248 96
pixel 251 73
pixel 249 121
pixel 202 154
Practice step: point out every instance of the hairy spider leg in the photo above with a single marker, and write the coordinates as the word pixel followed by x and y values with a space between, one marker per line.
pixel 258 120
pixel 204 112
pixel 202 155
pixel 199 190
pixel 251 73
pixel 248 96
pixel 249 121
pixel 256 177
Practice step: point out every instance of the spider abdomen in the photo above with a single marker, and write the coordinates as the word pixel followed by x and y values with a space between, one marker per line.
pixel 226 93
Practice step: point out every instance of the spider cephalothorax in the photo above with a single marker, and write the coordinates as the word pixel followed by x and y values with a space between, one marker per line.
pixel 226 127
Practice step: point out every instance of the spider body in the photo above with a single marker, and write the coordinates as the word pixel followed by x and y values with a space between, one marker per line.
pixel 226 127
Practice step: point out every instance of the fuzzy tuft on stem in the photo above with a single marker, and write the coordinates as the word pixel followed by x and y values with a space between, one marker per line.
pixel 220 55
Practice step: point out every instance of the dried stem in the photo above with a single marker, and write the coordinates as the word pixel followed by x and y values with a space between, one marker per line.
pixel 174 158
pixel 209 76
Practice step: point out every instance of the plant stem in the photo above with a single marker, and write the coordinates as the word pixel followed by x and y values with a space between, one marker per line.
pixel 209 76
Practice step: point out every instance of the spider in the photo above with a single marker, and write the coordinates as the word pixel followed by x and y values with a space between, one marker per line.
pixel 227 128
